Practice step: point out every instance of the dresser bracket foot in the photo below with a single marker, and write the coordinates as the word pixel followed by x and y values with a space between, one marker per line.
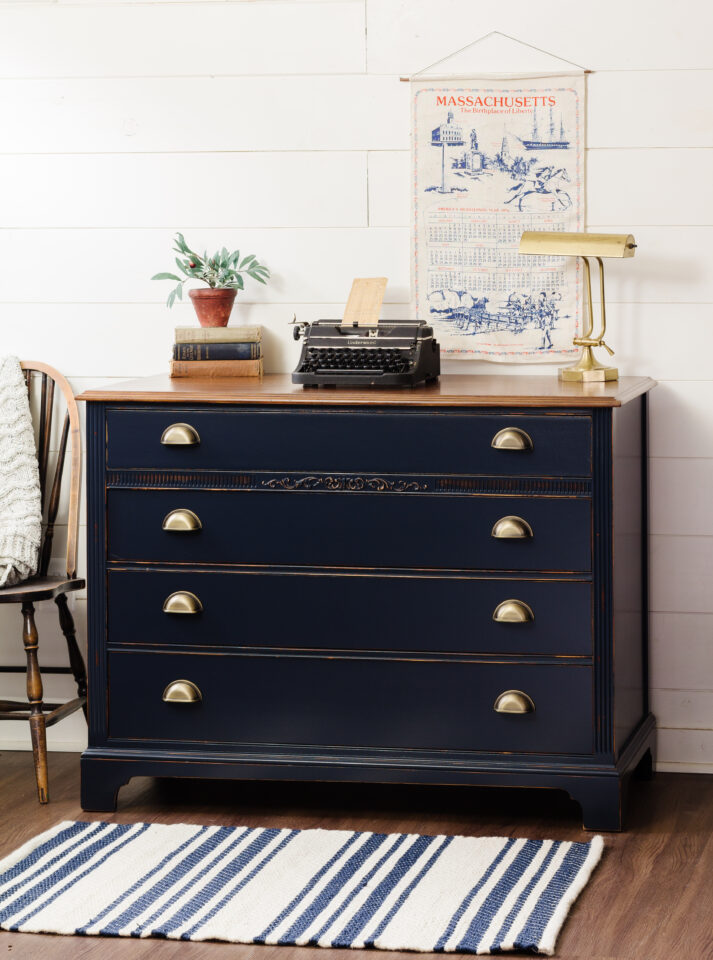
pixel 602 802
pixel 101 781
pixel 645 769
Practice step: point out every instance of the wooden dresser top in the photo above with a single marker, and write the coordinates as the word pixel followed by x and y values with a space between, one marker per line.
pixel 452 390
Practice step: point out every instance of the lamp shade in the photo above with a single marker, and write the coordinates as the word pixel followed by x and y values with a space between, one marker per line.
pixel 546 243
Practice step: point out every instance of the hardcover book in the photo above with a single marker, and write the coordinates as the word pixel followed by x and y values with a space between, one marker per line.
pixel 227 334
pixel 216 368
pixel 216 351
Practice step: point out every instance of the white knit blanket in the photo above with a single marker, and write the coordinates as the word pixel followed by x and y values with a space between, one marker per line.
pixel 20 499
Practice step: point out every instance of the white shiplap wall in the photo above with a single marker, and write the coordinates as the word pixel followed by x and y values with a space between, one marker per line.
pixel 280 126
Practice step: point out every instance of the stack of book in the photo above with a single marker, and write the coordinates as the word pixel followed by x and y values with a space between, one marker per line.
pixel 217 352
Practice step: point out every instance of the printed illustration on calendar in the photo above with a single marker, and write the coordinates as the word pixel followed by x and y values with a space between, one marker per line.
pixel 491 159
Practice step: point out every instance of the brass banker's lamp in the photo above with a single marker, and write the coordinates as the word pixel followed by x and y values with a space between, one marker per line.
pixel 543 243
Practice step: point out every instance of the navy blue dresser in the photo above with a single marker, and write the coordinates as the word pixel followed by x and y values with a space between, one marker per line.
pixel 439 585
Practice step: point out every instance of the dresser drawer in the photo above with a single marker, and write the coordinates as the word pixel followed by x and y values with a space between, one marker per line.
pixel 349 529
pixel 350 702
pixel 349 612
pixel 339 441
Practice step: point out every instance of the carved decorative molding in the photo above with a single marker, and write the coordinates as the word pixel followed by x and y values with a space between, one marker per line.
pixel 221 480
pixel 377 484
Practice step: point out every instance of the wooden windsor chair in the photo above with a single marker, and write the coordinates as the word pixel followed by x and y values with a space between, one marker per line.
pixel 44 587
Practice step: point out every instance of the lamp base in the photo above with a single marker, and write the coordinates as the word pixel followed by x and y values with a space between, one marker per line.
pixel 588 370
pixel 589 376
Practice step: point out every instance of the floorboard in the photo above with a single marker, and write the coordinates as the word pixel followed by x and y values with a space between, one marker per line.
pixel 649 898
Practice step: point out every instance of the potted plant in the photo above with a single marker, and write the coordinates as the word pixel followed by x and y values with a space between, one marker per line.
pixel 223 272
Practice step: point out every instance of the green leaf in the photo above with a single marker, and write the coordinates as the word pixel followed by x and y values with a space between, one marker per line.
pixel 179 291
pixel 247 260
pixel 165 276
pixel 184 248
pixel 171 298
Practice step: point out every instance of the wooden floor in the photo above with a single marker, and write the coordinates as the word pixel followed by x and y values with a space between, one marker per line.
pixel 651 897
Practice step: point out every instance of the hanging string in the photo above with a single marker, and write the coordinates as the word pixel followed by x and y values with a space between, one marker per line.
pixel 485 37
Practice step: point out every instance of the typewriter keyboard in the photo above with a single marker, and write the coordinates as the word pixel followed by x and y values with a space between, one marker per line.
pixel 355 360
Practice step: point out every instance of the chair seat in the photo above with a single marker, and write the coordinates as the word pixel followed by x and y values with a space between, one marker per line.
pixel 39 588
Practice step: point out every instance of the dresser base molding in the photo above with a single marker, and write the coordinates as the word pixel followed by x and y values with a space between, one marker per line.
pixel 599 788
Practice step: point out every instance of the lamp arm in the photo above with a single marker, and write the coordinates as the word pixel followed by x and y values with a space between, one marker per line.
pixel 588 276
pixel 601 294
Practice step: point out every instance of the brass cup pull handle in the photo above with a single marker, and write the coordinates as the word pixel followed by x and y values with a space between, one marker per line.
pixel 180 435
pixel 511 528
pixel 181 521
pixel 182 691
pixel 512 438
pixel 512 611
pixel 183 601
pixel 514 701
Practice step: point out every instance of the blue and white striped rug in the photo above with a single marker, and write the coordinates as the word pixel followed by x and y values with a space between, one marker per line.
pixel 333 888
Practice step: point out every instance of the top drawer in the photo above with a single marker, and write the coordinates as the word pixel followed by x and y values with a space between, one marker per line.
pixel 369 441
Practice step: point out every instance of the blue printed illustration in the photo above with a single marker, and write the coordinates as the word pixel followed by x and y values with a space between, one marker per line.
pixel 449 134
pixel 519 314
pixel 538 187
pixel 546 185
pixel 550 143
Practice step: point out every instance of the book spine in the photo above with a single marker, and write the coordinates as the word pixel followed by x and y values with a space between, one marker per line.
pixel 216 351
pixel 216 368
pixel 218 334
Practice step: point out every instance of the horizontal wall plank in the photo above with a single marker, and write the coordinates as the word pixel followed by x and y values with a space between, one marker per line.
pixel 98 2
pixel 661 108
pixel 636 331
pixel 680 650
pixel 149 190
pixel 390 189
pixel 685 747
pixel 149 114
pixel 688 709
pixel 169 39
pixel 40 329
pixel 619 37
pixel 660 187
pixel 681 419
pixel 337 112
pixel 681 497
pixel 681 574
pixel 657 187
pixel 141 335
pixel 647 343
pixel 309 266
pixel 672 265
pixel 672 766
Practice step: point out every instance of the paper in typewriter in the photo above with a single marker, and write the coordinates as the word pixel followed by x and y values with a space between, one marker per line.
pixel 492 158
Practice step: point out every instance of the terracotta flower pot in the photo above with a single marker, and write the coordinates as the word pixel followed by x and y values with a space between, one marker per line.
pixel 212 306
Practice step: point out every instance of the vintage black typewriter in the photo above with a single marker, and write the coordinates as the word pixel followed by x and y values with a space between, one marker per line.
pixel 391 353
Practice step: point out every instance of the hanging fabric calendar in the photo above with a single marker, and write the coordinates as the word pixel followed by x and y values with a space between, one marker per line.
pixel 492 158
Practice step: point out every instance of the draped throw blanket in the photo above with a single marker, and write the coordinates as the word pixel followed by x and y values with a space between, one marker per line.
pixel 20 499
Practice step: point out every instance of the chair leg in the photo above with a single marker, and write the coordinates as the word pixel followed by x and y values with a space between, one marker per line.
pixel 34 695
pixel 76 661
